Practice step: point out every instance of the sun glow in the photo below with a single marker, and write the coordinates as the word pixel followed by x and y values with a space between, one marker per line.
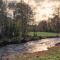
pixel 42 10
pixel 45 10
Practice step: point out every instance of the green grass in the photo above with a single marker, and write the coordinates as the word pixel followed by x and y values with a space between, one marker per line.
pixel 43 34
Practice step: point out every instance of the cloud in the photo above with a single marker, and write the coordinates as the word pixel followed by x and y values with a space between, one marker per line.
pixel 38 1
pixel 42 8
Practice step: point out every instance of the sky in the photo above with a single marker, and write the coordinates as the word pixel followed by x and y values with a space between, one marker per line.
pixel 43 9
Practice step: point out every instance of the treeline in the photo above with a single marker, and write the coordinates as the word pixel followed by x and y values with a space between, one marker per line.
pixel 16 28
pixel 51 25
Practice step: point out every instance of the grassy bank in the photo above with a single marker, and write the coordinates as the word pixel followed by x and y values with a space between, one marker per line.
pixel 44 34
pixel 51 54
pixel 30 37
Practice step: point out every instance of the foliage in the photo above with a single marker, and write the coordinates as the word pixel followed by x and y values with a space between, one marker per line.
pixel 13 28
pixel 20 27
pixel 1 4
pixel 25 15
pixel 55 24
pixel 42 26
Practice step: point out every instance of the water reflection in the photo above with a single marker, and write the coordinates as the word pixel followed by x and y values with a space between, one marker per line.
pixel 10 51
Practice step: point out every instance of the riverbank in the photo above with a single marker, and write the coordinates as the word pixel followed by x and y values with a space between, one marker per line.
pixel 30 37
pixel 44 34
pixel 51 54
pixel 44 49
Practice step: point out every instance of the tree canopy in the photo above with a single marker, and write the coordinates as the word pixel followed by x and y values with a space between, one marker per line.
pixel 23 13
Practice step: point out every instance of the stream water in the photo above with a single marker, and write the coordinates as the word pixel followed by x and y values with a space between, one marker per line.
pixel 29 47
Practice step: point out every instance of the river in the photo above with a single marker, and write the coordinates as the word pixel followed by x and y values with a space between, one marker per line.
pixel 29 47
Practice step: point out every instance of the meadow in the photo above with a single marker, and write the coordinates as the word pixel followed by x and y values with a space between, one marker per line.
pixel 44 34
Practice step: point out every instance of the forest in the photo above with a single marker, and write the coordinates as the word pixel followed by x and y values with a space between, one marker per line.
pixel 18 27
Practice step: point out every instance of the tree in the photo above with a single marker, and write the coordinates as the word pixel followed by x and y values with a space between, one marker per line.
pixel 23 13
pixel 55 24
pixel 42 26
pixel 3 18
pixel 12 5
pixel 1 4
pixel 55 21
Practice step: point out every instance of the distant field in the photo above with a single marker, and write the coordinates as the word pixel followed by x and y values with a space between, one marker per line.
pixel 44 34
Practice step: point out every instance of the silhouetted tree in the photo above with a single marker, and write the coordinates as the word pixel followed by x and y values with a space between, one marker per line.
pixel 55 24
pixel 42 26
pixel 55 21
pixel 24 14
